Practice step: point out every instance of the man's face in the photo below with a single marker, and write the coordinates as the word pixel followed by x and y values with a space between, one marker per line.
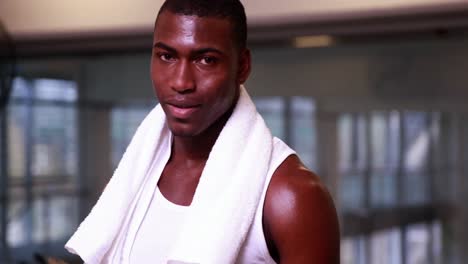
pixel 196 70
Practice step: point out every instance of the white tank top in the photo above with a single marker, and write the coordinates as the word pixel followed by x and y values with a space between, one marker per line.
pixel 163 219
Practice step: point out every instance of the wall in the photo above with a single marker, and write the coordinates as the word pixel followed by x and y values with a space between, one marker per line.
pixel 416 74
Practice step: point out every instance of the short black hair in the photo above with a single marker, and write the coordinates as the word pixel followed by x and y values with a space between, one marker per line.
pixel 225 9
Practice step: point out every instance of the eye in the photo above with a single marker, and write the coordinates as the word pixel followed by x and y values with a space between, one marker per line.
pixel 167 57
pixel 207 60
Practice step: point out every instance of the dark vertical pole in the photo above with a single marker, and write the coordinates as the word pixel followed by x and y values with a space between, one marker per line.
pixel 431 162
pixel 7 73
pixel 47 219
pixel 463 181
pixel 84 112
pixel 4 252
pixel 29 156
pixel 368 163
pixel 431 173
pixel 354 141
pixel 400 181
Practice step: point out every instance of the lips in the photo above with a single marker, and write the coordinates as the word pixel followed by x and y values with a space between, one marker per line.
pixel 182 111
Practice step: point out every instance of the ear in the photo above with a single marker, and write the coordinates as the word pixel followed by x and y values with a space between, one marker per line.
pixel 244 66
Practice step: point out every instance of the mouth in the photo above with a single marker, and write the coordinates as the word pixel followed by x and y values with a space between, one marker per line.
pixel 182 111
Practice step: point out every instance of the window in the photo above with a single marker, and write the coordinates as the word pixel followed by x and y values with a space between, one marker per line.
pixel 387 184
pixel 384 157
pixel 303 130
pixel 43 191
pixel 353 150
pixel 125 121
pixel 292 119
pixel 385 247
pixel 416 140
pixel 272 109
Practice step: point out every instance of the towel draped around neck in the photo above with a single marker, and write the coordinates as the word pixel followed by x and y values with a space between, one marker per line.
pixel 223 206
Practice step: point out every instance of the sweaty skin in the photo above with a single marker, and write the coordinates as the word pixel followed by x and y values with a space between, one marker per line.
pixel 196 70
pixel 299 218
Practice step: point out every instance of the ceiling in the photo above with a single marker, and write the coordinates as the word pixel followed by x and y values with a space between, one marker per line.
pixel 108 23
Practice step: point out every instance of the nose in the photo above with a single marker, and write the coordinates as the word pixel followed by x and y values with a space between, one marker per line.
pixel 183 79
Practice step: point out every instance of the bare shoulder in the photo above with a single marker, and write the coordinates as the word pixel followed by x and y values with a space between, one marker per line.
pixel 299 217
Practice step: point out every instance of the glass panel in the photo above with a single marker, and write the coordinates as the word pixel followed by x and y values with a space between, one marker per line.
pixel 383 188
pixel 352 143
pixel 436 242
pixel 345 136
pixel 352 133
pixel 17 233
pixel 360 141
pixel 379 135
pixel 54 128
pixel 272 109
pixel 386 247
pixel 125 121
pixel 70 144
pixel 416 140
pixel 50 89
pixel 347 252
pixel 443 167
pixel 393 137
pixel 303 136
pixel 17 127
pixel 417 244
pixel 63 217
pixel 40 221
pixel 55 143
pixel 352 250
pixel 20 88
pixel 416 187
pixel 417 143
pixel 54 216
pixel 352 191
pixel 383 176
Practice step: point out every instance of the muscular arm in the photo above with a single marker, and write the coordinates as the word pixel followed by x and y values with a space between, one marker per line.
pixel 299 218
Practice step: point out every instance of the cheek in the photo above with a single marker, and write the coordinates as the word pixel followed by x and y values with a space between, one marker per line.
pixel 224 98
pixel 218 89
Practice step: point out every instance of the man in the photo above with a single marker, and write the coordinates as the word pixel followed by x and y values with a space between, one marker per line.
pixel 269 209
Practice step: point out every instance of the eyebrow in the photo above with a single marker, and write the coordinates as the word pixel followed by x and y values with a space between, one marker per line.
pixel 162 45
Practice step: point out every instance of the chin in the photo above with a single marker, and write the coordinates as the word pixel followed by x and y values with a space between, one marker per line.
pixel 183 133
pixel 181 130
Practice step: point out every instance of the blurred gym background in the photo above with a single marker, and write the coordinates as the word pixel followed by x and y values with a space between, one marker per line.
pixel 372 95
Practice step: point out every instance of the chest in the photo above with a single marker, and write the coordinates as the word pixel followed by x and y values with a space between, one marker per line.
pixel 179 183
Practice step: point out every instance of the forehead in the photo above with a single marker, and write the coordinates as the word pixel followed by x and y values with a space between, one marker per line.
pixel 176 29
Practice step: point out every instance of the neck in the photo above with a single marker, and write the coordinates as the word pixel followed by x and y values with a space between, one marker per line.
pixel 190 149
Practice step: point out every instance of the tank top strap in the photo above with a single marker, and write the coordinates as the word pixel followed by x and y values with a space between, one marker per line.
pixel 255 250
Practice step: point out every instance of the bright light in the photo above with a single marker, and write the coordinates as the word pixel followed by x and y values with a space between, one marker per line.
pixel 313 41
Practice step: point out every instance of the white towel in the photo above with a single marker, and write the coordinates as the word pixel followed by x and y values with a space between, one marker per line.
pixel 222 208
